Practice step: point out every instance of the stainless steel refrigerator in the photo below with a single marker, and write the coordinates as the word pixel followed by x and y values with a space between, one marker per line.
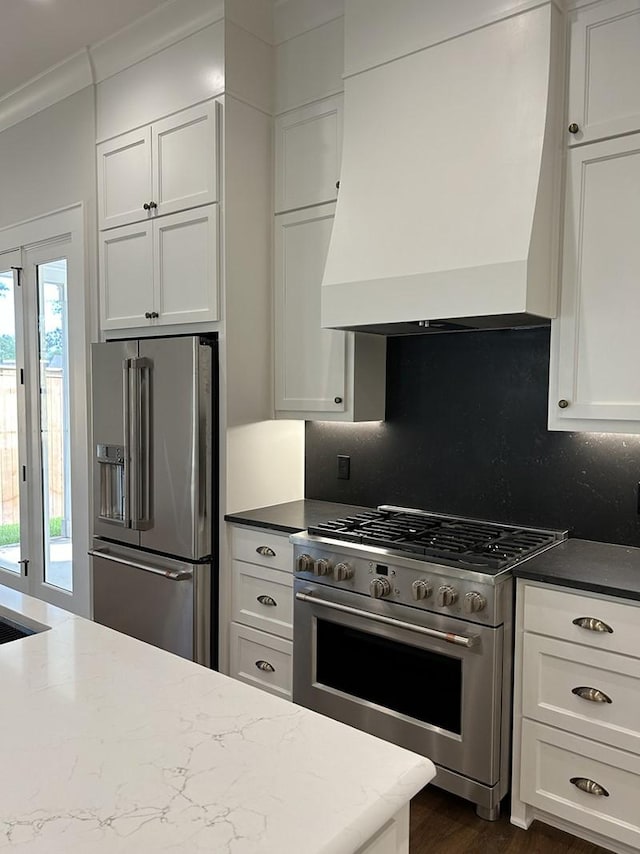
pixel 155 487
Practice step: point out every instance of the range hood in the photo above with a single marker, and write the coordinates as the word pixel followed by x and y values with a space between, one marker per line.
pixel 447 216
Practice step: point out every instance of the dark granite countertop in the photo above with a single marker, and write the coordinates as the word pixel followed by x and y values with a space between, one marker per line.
pixel 294 515
pixel 586 565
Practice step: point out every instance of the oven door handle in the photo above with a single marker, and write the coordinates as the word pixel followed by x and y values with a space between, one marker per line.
pixel 449 637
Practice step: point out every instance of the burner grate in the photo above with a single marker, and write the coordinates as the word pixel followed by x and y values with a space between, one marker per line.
pixel 467 543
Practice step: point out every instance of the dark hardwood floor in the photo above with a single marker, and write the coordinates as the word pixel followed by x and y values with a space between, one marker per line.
pixel 444 824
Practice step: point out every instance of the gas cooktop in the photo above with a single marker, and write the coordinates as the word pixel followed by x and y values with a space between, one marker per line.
pixel 488 547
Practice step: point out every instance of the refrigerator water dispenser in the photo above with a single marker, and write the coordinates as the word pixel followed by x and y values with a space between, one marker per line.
pixel 112 486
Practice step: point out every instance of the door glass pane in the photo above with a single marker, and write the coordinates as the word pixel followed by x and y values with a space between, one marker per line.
pixel 54 422
pixel 9 463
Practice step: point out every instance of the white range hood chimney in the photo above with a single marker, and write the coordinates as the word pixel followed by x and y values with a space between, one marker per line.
pixel 449 191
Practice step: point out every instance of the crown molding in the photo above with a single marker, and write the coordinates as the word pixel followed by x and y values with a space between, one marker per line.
pixel 59 82
pixel 164 26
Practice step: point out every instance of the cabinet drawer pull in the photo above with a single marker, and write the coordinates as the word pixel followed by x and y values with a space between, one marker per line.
pixel 268 600
pixel 265 551
pixel 264 665
pixel 589 786
pixel 592 624
pixel 592 694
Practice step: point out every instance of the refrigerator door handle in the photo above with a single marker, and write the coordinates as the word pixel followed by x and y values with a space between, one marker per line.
pixel 139 429
pixel 126 405
pixel 172 575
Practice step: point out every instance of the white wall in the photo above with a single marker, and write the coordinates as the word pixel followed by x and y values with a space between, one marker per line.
pixel 309 66
pixel 185 73
pixel 48 161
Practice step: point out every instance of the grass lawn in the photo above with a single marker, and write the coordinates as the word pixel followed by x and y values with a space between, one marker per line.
pixel 10 533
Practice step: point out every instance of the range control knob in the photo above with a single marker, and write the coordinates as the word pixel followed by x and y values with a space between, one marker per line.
pixel 473 602
pixel 321 567
pixel 379 587
pixel 447 596
pixel 342 572
pixel 421 589
pixel 304 563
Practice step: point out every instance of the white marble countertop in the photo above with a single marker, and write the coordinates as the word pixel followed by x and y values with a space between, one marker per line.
pixel 109 745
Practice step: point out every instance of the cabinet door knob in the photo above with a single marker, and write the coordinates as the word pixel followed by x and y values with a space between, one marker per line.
pixel 154 314
pixel 337 185
pixel 563 403
pixel 337 400
pixel 152 205
pixel 148 315
pixel 574 128
pixel 146 206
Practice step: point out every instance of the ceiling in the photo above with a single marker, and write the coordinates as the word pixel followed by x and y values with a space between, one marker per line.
pixel 36 34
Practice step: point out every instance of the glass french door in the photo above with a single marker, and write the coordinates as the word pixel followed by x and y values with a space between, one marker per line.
pixel 36 525
pixel 13 503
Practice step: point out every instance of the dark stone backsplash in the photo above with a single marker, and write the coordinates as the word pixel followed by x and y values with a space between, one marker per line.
pixel 466 433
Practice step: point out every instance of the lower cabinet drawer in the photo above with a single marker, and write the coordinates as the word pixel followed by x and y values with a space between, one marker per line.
pixel 261 660
pixel 586 691
pixel 262 598
pixel 580 618
pixel 552 759
pixel 264 547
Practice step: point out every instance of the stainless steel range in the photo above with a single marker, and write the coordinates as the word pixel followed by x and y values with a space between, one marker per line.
pixel 403 628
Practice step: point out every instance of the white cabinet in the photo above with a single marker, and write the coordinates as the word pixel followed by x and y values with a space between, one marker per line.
pixel 594 382
pixel 124 178
pixel 604 95
pixel 184 159
pixel 321 373
pixel 310 361
pixel 160 272
pixel 126 276
pixel 186 266
pixel 262 660
pixel 576 760
pixel 165 167
pixel 308 152
pixel 261 628
pixel 594 385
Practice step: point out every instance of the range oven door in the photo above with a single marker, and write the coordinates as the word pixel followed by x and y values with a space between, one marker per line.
pixel 437 693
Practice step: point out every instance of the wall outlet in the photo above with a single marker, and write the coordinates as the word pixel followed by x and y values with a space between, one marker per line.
pixel 344 467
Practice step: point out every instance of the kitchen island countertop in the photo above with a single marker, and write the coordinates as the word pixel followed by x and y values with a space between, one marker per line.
pixel 110 745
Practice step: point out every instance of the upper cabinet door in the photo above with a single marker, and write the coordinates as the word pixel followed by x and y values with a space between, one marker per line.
pixel 308 147
pixel 124 179
pixel 595 373
pixel 126 276
pixel 310 361
pixel 604 74
pixel 185 264
pixel 185 159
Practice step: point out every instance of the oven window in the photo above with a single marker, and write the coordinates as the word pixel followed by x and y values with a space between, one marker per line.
pixel 415 682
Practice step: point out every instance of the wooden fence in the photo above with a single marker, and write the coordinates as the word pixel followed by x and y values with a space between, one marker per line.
pixel 53 444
